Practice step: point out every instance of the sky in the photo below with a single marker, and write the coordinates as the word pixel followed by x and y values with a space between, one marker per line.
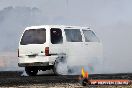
pixel 111 20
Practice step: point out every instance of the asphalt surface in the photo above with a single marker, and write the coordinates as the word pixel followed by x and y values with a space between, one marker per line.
pixel 14 78
pixel 11 78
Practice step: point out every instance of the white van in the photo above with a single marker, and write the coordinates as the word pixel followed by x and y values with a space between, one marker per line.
pixel 43 47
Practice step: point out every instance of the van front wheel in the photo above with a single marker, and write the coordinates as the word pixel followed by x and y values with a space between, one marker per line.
pixel 31 71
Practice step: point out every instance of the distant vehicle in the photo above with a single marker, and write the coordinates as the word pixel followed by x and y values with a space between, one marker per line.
pixel 43 47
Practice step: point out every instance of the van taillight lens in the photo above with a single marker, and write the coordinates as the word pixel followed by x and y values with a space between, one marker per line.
pixel 18 52
pixel 47 51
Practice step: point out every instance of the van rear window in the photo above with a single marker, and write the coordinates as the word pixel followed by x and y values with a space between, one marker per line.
pixel 73 35
pixel 34 36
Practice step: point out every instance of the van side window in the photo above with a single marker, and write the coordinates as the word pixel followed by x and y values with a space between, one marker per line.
pixel 56 36
pixel 34 36
pixel 90 36
pixel 73 35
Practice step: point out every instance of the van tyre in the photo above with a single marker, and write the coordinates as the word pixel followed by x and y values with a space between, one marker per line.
pixel 31 71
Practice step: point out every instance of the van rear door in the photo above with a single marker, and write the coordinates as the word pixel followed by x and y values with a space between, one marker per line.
pixel 33 42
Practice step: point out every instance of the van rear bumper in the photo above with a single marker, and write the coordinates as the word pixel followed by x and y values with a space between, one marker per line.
pixel 33 64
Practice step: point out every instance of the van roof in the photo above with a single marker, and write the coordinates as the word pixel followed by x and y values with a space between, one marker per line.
pixel 55 26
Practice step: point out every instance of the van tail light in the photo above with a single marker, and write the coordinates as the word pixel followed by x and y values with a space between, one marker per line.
pixel 47 51
pixel 18 52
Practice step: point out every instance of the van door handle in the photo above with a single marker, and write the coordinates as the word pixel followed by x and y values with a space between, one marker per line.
pixel 86 44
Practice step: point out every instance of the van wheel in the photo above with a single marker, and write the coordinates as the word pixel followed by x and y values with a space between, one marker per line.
pixel 31 71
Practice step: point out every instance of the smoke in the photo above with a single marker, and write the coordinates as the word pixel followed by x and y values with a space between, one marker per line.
pixel 117 57
pixel 8 61
pixel 78 56
pixel 110 19
pixel 24 73
pixel 13 20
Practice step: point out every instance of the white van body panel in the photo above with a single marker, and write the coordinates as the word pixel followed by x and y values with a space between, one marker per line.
pixel 35 53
